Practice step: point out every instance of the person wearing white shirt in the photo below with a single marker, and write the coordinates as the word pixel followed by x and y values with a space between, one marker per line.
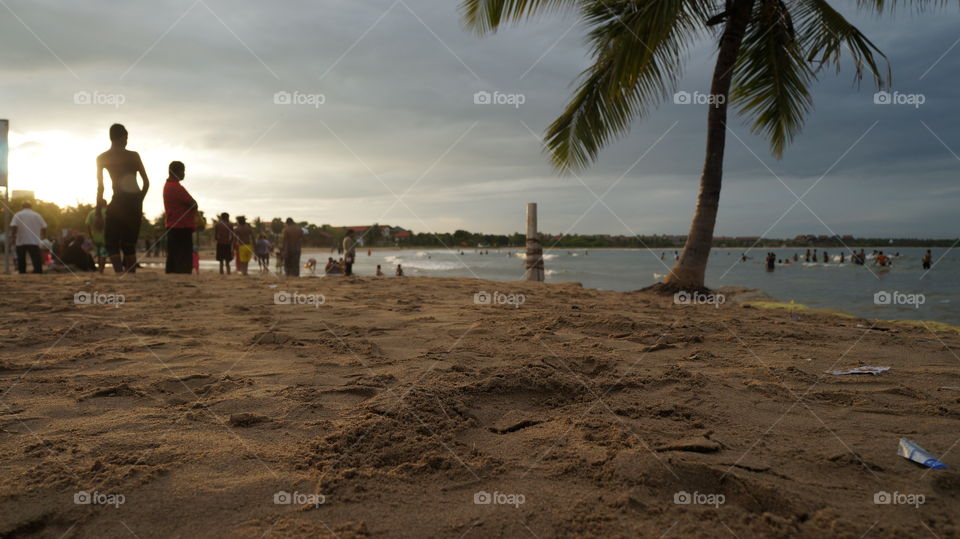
pixel 28 229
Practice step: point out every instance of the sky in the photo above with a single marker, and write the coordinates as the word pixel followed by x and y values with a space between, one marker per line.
pixel 351 112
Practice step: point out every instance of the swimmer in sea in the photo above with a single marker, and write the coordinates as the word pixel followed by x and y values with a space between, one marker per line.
pixel 125 211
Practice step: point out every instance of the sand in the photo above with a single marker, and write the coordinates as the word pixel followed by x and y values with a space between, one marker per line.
pixel 399 404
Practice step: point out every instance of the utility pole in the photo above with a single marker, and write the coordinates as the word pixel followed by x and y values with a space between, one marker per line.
pixel 4 150
pixel 534 259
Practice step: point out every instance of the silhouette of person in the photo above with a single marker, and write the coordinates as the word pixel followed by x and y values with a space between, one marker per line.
pixel 292 239
pixel 125 211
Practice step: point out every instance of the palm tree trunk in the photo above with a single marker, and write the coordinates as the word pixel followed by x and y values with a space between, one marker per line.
pixel 689 271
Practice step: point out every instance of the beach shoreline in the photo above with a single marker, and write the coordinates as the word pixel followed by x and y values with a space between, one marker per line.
pixel 204 397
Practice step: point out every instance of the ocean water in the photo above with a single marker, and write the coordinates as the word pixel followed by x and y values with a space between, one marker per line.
pixel 906 291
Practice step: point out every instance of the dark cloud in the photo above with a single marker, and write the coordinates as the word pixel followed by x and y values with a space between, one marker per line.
pixel 399 117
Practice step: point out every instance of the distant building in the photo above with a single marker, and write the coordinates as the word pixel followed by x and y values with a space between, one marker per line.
pixel 400 235
pixel 387 233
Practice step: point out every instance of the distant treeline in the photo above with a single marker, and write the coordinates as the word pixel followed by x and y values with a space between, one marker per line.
pixel 73 218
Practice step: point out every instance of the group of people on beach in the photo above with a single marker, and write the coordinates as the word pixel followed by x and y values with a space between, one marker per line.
pixel 113 228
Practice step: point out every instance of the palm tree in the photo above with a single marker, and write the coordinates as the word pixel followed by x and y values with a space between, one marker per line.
pixel 769 53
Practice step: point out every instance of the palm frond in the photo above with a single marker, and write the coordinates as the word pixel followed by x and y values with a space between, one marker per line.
pixel 919 6
pixel 771 79
pixel 485 16
pixel 638 50
pixel 823 34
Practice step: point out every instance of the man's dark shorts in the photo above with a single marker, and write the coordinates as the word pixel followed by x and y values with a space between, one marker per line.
pixel 122 224
pixel 225 252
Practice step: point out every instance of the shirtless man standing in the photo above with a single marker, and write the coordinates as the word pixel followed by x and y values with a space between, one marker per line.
pixel 125 211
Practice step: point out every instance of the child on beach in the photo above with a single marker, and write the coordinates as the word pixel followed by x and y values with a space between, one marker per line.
pixel 223 232
pixel 95 225
pixel 332 267
pixel 263 248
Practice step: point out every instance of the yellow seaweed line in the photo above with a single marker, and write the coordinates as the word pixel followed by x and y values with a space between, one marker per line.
pixel 793 306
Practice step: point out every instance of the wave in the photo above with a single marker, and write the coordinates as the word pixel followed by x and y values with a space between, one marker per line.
pixel 423 265
pixel 523 255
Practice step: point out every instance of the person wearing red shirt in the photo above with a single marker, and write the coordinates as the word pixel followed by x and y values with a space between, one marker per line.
pixel 181 210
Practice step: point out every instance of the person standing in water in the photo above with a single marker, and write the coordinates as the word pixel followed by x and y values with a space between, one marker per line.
pixel 927 259
pixel 292 238
pixel 349 253
pixel 125 211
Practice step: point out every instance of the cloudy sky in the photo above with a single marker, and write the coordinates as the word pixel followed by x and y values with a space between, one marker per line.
pixel 383 126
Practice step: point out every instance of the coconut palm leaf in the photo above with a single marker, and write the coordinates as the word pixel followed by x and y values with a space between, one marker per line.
pixel 637 50
pixel 485 16
pixel 881 6
pixel 824 34
pixel 772 79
